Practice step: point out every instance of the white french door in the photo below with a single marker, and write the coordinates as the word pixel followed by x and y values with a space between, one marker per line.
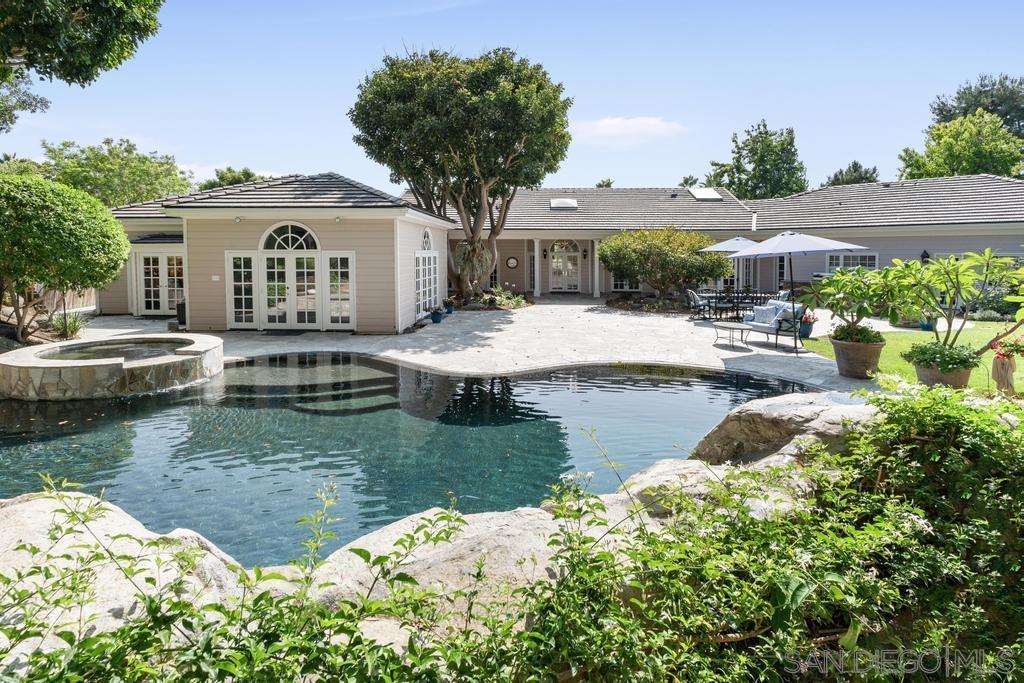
pixel 160 282
pixel 290 290
pixel 290 294
pixel 565 272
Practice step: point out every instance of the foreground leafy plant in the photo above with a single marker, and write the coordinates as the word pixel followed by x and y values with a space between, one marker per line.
pixel 908 539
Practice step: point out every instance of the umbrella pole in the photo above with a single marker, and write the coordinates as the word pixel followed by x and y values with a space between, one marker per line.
pixel 792 301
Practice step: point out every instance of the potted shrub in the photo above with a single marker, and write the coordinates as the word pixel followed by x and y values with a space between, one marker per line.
pixel 437 314
pixel 449 305
pixel 807 321
pixel 936 363
pixel 852 295
pixel 948 289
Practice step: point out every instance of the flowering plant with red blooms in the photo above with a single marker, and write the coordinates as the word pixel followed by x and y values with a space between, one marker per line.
pixel 1008 348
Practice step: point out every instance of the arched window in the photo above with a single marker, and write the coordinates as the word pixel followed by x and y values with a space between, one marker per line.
pixel 428 245
pixel 565 246
pixel 289 237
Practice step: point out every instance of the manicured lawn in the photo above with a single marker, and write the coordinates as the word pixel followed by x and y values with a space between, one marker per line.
pixel 898 342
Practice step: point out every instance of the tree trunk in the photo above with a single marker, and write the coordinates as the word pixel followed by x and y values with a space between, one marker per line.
pixel 1002 374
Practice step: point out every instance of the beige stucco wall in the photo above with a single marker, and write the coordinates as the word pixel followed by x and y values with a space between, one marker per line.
pixel 373 241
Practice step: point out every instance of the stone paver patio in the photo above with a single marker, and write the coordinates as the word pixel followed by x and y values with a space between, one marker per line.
pixel 556 332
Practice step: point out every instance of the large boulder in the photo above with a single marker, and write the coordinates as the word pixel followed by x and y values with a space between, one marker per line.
pixel 656 484
pixel 781 427
pixel 513 546
pixel 27 521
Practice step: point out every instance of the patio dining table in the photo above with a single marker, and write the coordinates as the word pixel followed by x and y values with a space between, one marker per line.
pixel 738 302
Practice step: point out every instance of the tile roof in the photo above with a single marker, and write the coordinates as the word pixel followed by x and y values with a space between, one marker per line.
pixel 323 190
pixel 931 201
pixel 624 209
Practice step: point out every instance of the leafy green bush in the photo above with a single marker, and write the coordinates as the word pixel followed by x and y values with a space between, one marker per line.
pixel 990 316
pixel 55 237
pixel 909 539
pixel 938 355
pixel 664 259
pixel 507 298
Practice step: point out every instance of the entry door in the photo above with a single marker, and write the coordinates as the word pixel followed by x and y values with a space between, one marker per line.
pixel 290 291
pixel 565 272
pixel 161 283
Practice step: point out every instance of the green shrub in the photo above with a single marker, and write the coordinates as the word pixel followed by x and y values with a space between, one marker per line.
pixel 68 325
pixel 990 316
pixel 937 355
pixel 910 540
pixel 664 259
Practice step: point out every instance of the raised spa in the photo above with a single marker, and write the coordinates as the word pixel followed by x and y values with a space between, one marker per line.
pixel 135 364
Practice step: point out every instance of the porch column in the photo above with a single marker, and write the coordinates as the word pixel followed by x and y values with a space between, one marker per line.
pixel 536 267
pixel 597 270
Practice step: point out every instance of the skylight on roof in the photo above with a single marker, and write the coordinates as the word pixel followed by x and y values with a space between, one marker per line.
pixel 564 203
pixel 704 194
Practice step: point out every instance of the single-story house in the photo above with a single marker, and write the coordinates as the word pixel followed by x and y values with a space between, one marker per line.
pixel 552 233
pixel 323 252
pixel 314 252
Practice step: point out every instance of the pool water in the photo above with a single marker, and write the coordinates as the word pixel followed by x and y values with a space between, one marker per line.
pixel 133 350
pixel 238 459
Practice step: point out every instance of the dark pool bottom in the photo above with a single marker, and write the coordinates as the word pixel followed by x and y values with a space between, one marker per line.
pixel 238 459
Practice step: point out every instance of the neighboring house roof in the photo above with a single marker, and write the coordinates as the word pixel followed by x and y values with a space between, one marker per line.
pixel 931 201
pixel 320 191
pixel 623 209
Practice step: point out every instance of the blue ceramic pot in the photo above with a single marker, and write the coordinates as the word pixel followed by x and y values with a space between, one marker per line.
pixel 437 316
pixel 805 330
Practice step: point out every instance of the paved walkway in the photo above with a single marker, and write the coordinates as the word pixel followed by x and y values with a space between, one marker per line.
pixel 555 332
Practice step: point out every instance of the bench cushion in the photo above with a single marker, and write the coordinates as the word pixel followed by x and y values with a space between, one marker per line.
pixel 764 315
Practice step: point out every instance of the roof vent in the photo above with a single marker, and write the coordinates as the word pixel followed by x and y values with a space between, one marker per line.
pixel 674 194
pixel 564 203
pixel 704 194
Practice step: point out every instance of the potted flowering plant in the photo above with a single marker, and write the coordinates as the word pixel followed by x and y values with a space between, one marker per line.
pixel 807 321
pixel 935 363
pixel 437 314
pixel 449 305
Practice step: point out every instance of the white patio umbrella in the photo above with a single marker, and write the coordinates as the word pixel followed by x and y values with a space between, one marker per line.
pixel 789 244
pixel 729 246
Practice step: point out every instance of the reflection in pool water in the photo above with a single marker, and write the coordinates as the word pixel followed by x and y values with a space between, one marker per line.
pixel 129 350
pixel 238 458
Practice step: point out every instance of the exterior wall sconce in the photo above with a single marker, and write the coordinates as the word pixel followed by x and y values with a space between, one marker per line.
pixel 544 254
pixel 584 254
pixel 925 255
pixel 238 219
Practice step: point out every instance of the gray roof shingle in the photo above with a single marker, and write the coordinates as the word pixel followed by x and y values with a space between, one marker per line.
pixel 320 191
pixel 624 209
pixel 931 201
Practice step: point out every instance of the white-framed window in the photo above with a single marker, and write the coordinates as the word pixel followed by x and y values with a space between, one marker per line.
pixel 851 260
pixel 532 260
pixel 621 284
pixel 494 277
pixel 427 293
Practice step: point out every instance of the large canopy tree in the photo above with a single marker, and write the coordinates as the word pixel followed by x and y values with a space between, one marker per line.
pixel 764 164
pixel 230 176
pixel 976 143
pixel 853 174
pixel 115 172
pixel 15 98
pixel 464 134
pixel 1001 95
pixel 53 237
pixel 72 40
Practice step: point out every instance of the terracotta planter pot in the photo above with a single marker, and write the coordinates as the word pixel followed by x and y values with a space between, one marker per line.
pixel 957 379
pixel 859 361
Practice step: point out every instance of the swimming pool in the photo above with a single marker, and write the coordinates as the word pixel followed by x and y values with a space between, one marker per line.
pixel 238 458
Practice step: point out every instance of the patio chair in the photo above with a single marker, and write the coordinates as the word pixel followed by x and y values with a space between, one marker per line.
pixel 783 295
pixel 700 306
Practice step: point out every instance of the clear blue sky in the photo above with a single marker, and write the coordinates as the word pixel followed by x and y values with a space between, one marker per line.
pixel 659 87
